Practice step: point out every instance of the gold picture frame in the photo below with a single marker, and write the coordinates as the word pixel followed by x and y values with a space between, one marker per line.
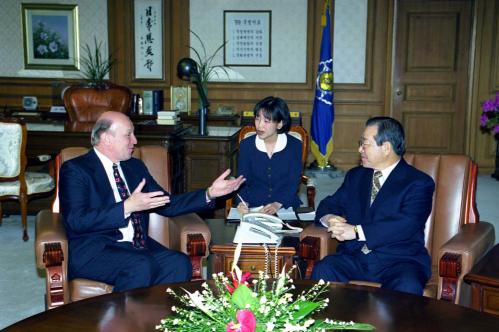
pixel 50 33
pixel 180 98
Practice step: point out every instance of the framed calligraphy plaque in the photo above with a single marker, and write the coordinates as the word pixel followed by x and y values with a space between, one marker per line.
pixel 148 30
pixel 248 37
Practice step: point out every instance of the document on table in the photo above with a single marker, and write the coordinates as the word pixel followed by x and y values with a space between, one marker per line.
pixel 306 216
pixel 235 215
pixel 283 214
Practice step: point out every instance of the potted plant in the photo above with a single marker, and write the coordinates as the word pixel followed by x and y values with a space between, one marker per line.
pixel 205 63
pixel 489 122
pixel 94 66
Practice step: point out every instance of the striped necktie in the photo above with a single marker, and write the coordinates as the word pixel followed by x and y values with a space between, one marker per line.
pixel 138 235
pixel 376 185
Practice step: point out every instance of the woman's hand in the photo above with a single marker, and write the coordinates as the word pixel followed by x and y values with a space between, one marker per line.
pixel 242 208
pixel 271 208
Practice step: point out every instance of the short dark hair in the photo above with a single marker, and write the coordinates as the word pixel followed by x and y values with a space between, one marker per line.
pixel 99 127
pixel 274 109
pixel 389 130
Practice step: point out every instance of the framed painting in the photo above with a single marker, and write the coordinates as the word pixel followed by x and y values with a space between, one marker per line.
pixel 50 34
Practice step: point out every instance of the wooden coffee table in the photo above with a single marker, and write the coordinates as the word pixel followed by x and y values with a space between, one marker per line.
pixel 141 309
pixel 484 280
pixel 253 258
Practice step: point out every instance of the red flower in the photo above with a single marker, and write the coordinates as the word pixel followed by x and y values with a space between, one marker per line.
pixel 235 283
pixel 246 322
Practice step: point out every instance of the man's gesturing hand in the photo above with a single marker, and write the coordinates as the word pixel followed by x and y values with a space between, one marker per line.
pixel 139 201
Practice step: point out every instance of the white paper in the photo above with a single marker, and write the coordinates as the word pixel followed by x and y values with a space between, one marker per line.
pixel 307 216
pixel 286 214
pixel 234 213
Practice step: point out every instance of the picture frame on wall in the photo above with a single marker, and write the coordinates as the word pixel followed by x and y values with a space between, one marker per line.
pixel 247 34
pixel 180 98
pixel 148 39
pixel 50 33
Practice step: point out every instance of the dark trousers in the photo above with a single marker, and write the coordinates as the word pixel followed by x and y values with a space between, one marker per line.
pixel 125 267
pixel 402 276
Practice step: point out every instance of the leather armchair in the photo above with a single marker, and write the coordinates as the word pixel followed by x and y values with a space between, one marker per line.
pixel 186 233
pixel 85 104
pixel 454 237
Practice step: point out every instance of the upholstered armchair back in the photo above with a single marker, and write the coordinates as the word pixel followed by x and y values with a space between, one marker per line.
pixel 85 104
pixel 454 193
pixel 10 149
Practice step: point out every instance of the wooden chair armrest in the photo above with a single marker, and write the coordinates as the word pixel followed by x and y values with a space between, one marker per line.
pixel 49 229
pixel 194 237
pixel 457 257
pixel 51 251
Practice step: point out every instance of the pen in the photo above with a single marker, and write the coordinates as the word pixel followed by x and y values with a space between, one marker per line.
pixel 242 201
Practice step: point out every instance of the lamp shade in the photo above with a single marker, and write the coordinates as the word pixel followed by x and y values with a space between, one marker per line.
pixel 187 70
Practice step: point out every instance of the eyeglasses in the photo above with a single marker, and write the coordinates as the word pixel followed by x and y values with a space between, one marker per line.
pixel 365 143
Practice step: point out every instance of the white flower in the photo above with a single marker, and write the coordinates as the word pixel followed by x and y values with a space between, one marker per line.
pixel 43 36
pixel 53 47
pixel 263 300
pixel 270 326
pixel 174 308
pixel 321 282
pixel 42 49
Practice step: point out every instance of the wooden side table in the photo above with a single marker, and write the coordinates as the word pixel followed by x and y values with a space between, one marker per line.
pixel 484 280
pixel 252 258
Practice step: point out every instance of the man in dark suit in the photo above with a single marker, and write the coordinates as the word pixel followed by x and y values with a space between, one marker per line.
pixel 105 198
pixel 378 215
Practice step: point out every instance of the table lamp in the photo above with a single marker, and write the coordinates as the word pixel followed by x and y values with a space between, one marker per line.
pixel 187 70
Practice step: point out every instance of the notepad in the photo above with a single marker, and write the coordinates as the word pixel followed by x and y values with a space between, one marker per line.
pixel 235 215
pixel 283 214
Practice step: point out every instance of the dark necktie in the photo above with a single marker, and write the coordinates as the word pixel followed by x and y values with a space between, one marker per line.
pixel 376 184
pixel 138 234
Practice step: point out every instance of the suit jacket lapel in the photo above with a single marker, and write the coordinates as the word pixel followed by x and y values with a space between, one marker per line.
pixel 365 192
pixel 390 186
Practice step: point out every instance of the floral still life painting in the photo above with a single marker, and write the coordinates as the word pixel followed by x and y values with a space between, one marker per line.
pixel 237 305
pixel 50 36
pixel 489 121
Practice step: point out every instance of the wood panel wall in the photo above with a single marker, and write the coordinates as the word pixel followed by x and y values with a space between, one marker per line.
pixel 354 103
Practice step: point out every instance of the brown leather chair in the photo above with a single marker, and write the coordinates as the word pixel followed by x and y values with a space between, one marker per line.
pixel 187 233
pixel 85 104
pixel 300 133
pixel 453 236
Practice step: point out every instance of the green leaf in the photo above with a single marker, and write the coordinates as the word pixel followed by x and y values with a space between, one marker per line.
pixel 242 296
pixel 304 309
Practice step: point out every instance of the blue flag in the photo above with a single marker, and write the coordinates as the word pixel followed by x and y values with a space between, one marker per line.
pixel 323 111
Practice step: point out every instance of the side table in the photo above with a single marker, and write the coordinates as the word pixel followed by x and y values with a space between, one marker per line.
pixel 252 259
pixel 484 280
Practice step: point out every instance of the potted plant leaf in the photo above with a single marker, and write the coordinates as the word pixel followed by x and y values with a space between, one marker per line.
pixel 205 63
pixel 94 66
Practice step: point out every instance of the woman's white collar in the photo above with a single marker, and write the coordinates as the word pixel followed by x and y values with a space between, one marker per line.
pixel 282 140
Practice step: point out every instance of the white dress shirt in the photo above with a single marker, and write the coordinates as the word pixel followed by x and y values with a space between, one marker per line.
pixel 108 166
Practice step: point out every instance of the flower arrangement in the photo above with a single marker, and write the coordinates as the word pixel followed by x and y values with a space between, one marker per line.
pixel 489 121
pixel 235 305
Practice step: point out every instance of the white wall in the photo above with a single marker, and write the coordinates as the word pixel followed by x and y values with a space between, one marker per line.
pixel 92 20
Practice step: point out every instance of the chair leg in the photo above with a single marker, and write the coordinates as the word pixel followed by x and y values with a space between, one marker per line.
pixel 23 200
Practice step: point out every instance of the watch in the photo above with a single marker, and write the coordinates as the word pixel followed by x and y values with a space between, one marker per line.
pixel 356 230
